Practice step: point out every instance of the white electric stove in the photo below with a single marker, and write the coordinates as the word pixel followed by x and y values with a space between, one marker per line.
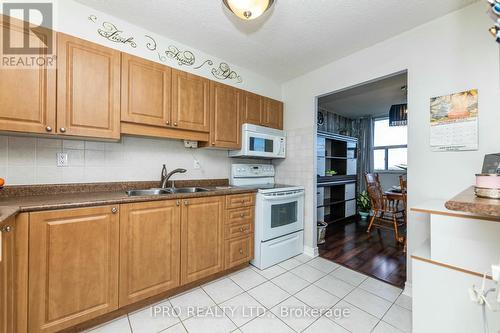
pixel 279 214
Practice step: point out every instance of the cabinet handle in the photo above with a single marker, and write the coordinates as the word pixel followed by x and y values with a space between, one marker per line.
pixel 241 229
pixel 186 202
pixel 48 129
pixel 242 215
pixel 178 203
pixel 213 143
pixel 175 124
pixel 114 210
pixel 62 130
pixel 7 229
pixel 168 122
pixel 241 251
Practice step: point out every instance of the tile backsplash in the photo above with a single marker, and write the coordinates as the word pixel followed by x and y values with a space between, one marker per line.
pixel 32 160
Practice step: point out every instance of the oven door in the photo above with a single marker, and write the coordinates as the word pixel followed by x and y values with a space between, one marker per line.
pixel 282 213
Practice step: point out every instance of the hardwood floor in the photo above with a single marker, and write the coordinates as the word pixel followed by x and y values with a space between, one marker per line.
pixel 375 254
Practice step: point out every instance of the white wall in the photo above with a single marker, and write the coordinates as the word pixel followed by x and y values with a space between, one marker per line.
pixel 450 54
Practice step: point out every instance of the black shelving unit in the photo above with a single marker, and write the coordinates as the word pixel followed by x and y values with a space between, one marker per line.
pixel 336 192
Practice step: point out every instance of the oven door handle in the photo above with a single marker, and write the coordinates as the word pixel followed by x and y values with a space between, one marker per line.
pixel 271 197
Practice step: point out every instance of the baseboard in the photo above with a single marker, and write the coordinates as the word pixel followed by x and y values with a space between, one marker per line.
pixel 311 251
pixel 408 289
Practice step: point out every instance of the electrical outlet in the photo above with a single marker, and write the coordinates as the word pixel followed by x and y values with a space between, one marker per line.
pixel 62 159
pixel 196 164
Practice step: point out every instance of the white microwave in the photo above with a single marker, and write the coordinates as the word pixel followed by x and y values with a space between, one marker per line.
pixel 260 142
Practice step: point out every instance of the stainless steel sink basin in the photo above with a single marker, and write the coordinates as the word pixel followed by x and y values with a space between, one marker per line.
pixel 164 191
pixel 151 191
pixel 187 189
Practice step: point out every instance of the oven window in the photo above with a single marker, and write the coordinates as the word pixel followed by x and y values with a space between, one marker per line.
pixel 283 214
pixel 261 145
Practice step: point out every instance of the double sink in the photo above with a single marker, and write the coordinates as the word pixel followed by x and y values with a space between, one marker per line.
pixel 165 191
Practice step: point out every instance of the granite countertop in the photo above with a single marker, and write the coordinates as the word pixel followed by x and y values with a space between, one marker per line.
pixel 19 199
pixel 468 202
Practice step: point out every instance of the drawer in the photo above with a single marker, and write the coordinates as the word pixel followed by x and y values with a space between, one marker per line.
pixel 238 230
pixel 240 200
pixel 239 215
pixel 238 251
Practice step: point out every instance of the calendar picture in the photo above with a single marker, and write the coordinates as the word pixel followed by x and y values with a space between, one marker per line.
pixel 454 124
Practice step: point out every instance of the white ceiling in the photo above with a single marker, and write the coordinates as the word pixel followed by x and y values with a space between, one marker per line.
pixel 374 98
pixel 296 36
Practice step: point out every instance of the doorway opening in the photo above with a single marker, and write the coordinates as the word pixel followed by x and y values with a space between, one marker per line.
pixel 361 161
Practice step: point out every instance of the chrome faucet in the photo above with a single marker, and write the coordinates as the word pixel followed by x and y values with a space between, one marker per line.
pixel 166 176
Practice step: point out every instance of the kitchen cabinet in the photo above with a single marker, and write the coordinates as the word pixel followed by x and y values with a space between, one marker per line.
pixel 27 95
pixel 201 238
pixel 7 276
pixel 238 251
pixel 251 108
pixel 190 101
pixel 88 89
pixel 13 274
pixel 145 91
pixel 73 266
pixel 149 249
pixel 272 115
pixel 225 125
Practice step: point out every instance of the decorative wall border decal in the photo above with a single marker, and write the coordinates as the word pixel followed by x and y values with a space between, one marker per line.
pixel 183 57
pixel 112 33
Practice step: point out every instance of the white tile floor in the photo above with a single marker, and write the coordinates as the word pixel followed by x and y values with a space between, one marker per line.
pixel 298 295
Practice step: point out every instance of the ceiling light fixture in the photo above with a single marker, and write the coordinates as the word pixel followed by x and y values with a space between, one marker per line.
pixel 248 9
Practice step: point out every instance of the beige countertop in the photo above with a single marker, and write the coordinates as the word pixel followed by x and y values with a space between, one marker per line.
pixel 85 195
pixel 467 201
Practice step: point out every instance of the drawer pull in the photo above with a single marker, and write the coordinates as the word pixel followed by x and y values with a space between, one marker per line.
pixel 241 251
pixel 6 229
pixel 242 214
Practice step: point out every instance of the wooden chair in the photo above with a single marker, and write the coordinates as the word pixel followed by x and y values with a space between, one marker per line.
pixel 404 191
pixel 372 178
pixel 386 215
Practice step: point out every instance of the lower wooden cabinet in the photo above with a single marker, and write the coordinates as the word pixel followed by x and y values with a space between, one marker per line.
pixel 7 276
pixel 73 266
pixel 201 238
pixel 238 251
pixel 149 249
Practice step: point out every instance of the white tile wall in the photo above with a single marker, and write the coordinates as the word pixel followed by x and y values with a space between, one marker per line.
pixel 32 160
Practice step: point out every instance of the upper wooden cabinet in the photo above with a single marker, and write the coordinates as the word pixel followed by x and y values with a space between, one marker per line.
pixel 190 101
pixel 201 238
pixel 225 125
pixel 251 108
pixel 146 91
pixel 27 96
pixel 73 266
pixel 272 115
pixel 149 249
pixel 88 89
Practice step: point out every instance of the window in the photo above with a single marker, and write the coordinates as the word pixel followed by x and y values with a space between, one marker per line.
pixel 389 145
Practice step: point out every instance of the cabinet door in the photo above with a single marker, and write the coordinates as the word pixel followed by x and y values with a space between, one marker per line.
pixel 146 91
pixel 190 101
pixel 273 113
pixel 201 238
pixel 88 89
pixel 7 276
pixel 27 96
pixel 73 266
pixel 225 116
pixel 238 251
pixel 149 249
pixel 251 108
